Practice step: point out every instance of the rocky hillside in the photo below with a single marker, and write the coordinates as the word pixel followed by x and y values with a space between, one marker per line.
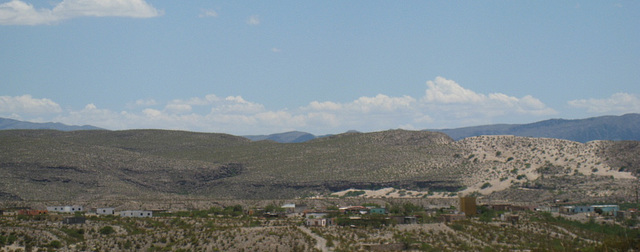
pixel 535 167
pixel 158 164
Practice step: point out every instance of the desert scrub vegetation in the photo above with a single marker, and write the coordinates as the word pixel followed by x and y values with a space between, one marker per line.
pixel 197 232
pixel 175 233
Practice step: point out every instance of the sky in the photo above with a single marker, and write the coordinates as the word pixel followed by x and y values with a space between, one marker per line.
pixel 323 67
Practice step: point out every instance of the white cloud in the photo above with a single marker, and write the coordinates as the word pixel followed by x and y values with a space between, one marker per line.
pixel 208 13
pixel 90 107
pixel 447 95
pixel 230 104
pixel 321 120
pixel 445 104
pixel 276 50
pixel 147 102
pixel 178 108
pixel 106 8
pixel 236 104
pixel 616 103
pixel 315 105
pixel 253 20
pixel 142 103
pixel 280 118
pixel 378 103
pixel 93 115
pixel 27 105
pixel 447 91
pixel 17 12
pixel 365 113
pixel 152 113
pixel 382 103
pixel 20 13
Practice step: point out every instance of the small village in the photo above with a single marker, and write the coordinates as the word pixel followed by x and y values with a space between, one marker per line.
pixel 76 228
pixel 329 216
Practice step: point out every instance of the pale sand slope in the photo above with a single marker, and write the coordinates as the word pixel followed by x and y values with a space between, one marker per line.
pixel 502 161
pixel 391 192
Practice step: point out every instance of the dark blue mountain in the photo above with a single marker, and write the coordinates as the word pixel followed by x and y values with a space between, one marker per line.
pixel 624 127
pixel 7 124
pixel 287 137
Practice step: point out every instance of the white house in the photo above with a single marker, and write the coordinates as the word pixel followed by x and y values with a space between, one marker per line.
pixel 318 219
pixel 106 211
pixel 318 222
pixel 289 208
pixel 316 215
pixel 65 209
pixel 136 213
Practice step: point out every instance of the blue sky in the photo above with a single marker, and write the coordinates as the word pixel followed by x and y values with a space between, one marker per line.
pixel 255 67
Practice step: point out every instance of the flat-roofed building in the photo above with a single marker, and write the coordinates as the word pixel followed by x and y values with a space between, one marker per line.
pixel 105 211
pixel 136 213
pixel 65 209
pixel 468 206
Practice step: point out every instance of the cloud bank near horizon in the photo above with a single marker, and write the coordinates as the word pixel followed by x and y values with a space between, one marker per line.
pixel 17 12
pixel 445 103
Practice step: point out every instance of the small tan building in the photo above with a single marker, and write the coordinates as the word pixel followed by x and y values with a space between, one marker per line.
pixel 468 206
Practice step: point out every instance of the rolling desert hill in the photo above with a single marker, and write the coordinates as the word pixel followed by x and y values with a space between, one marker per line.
pixel 160 164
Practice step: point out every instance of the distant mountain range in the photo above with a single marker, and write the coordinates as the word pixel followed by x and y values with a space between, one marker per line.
pixel 287 137
pixel 624 127
pixel 7 124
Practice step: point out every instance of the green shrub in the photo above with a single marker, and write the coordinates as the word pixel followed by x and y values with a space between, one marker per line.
pixel 55 244
pixel 75 235
pixel 107 230
pixel 354 193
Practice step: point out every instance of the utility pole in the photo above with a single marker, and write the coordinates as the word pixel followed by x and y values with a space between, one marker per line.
pixel 637 198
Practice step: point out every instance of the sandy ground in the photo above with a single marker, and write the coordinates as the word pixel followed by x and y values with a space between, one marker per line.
pixel 391 192
pixel 502 161
pixel 321 242
pixel 503 158
pixel 12 248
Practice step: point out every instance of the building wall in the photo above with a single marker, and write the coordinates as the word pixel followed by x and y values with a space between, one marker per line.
pixel 105 211
pixel 136 213
pixel 32 212
pixel 74 220
pixel 316 215
pixel 378 211
pixel 452 217
pixel 583 209
pixel 320 222
pixel 65 209
pixel 468 206
pixel 607 209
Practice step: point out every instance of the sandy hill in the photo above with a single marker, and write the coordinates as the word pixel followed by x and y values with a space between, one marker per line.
pixel 546 165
